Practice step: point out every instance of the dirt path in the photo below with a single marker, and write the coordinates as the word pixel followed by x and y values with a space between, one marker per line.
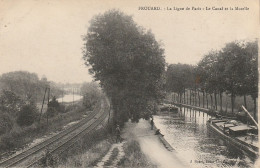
pixel 151 145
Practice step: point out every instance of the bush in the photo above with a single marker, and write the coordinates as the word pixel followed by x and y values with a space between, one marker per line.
pixel 54 104
pixel 27 115
pixel 6 124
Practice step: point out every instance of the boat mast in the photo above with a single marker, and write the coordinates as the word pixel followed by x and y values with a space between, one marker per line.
pixel 250 116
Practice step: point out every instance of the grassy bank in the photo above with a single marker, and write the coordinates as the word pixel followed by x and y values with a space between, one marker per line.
pixel 134 156
pixel 88 151
pixel 18 137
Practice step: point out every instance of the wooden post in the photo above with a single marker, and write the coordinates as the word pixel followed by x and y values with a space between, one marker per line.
pixel 203 92
pixel 190 96
pixel 48 105
pixel 250 116
pixel 184 100
pixel 195 95
pixel 220 101
pixel 42 104
pixel 207 100
pixel 199 97
pixel 216 104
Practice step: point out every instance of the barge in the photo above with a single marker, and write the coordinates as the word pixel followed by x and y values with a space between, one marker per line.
pixel 234 133
pixel 168 109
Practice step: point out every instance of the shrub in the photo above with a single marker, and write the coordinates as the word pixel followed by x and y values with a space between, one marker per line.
pixel 27 115
pixel 6 124
pixel 54 104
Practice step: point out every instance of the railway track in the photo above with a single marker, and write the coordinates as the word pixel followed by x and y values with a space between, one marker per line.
pixel 57 143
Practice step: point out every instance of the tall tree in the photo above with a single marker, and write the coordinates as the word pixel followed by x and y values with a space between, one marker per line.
pixel 179 77
pixel 251 77
pixel 211 78
pixel 128 62
pixel 233 57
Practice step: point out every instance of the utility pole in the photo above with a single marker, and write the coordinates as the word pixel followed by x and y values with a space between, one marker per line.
pixel 48 106
pixel 73 96
pixel 42 103
pixel 62 94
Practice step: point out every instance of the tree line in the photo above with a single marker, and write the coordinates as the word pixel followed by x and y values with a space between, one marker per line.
pixel 232 70
pixel 27 85
pixel 130 65
pixel 20 91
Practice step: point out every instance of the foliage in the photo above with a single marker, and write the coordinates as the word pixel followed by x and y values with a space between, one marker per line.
pixel 10 102
pixel 231 70
pixel 53 107
pixel 91 94
pixel 128 62
pixel 210 73
pixel 27 115
pixel 251 76
pixel 27 85
pixel 17 137
pixel 179 76
pixel 6 123
pixel 133 156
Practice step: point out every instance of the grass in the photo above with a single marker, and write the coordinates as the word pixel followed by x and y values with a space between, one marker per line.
pixel 113 157
pixel 88 151
pixel 82 156
pixel 18 137
pixel 134 156
pixel 88 158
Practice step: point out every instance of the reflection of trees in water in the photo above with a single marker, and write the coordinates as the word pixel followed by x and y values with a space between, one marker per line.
pixel 193 136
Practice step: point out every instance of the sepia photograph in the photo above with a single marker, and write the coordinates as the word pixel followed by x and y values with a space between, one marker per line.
pixel 129 84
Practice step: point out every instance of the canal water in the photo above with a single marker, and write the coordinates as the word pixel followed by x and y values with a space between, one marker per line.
pixel 193 143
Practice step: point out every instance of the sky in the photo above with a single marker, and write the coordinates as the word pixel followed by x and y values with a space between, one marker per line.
pixel 45 36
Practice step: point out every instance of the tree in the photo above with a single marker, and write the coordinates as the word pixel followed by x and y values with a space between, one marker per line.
pixel 53 107
pixel 210 71
pixel 6 122
pixel 91 94
pixel 10 102
pixel 179 77
pixel 127 60
pixel 27 85
pixel 27 115
pixel 251 77
pixel 234 58
pixel 21 83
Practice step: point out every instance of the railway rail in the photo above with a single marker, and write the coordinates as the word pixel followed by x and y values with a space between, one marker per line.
pixel 57 143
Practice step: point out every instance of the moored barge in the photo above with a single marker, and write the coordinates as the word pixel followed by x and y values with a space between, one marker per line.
pixel 234 133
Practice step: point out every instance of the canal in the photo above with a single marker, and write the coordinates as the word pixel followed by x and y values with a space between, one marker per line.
pixel 194 145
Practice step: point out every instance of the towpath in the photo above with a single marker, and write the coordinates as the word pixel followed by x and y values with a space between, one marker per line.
pixel 151 145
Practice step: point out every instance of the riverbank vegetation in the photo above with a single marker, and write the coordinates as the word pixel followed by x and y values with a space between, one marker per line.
pixel 21 118
pixel 28 86
pixel 20 136
pixel 230 73
pixel 91 93
pixel 89 150
pixel 134 157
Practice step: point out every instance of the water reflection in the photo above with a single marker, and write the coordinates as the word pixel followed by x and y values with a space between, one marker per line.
pixel 195 145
